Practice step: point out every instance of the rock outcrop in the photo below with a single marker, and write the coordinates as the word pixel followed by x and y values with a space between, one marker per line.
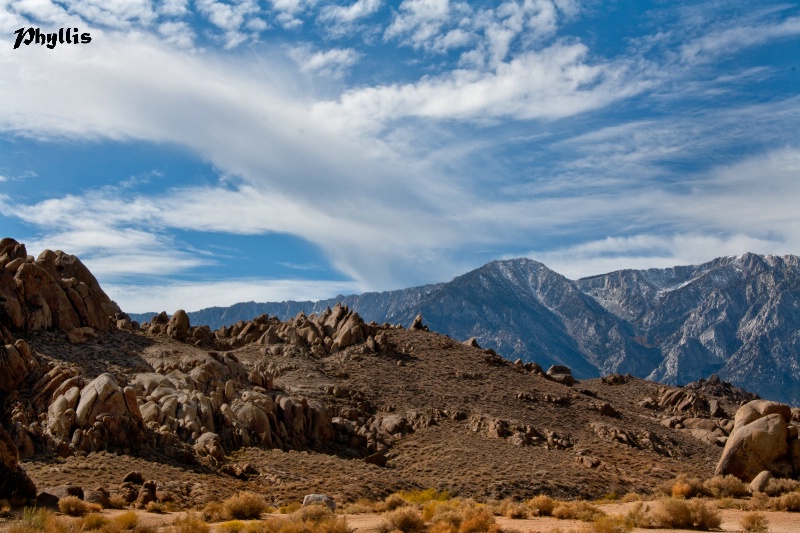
pixel 55 290
pixel 762 439
pixel 15 484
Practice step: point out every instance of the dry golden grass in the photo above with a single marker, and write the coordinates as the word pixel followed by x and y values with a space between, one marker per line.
pixel 577 510
pixel 93 521
pixel 310 519
pixel 290 508
pixel 477 519
pixel 424 496
pixel 394 501
pixel 405 519
pixel 118 502
pixel 726 487
pixel 542 505
pixel 759 502
pixel 779 486
pixel 127 520
pixel 754 523
pixel 683 514
pixel 191 523
pixel 232 526
pixel 74 506
pixel 631 497
pixel 244 506
pixel 788 502
pixel 511 509
pixel 360 506
pixel 609 524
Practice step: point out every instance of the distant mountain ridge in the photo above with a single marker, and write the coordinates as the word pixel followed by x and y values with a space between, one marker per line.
pixel 738 317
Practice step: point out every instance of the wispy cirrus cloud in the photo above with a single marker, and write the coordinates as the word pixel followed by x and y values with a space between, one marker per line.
pixel 334 62
pixel 516 136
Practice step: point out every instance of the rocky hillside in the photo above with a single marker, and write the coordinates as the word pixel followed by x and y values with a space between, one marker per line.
pixel 323 402
pixel 735 316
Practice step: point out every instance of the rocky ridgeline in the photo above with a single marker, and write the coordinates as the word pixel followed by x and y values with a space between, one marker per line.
pixel 317 335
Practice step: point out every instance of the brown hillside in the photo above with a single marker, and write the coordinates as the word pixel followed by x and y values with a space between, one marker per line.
pixel 329 404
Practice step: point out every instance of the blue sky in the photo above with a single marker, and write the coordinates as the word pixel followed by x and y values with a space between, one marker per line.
pixel 203 153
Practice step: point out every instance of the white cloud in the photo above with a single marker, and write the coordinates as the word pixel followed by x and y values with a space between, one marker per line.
pixel 333 62
pixel 289 11
pixel 173 8
pixel 178 33
pixel 651 251
pixel 419 20
pixel 142 298
pixel 554 83
pixel 112 13
pixel 231 18
pixel 349 13
pixel 729 41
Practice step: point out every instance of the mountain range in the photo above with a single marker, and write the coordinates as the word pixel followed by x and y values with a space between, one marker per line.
pixel 738 317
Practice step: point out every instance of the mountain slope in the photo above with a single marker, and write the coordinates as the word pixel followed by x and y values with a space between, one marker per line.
pixel 734 316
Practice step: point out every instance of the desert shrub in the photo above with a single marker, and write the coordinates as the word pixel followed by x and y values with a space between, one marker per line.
pixel 729 503
pixel 155 507
pixel 289 508
pixel 726 487
pixel 610 524
pixel 33 519
pixel 672 513
pixel 759 502
pixel 683 486
pixel 394 501
pixel 360 506
pixel 232 526
pixel 511 509
pixel 703 516
pixel 452 513
pixel 477 520
pixel 405 519
pixel 244 506
pixel 631 497
pixel 639 515
pixel 778 486
pixel 788 502
pixel 754 523
pixel 73 506
pixel 681 514
pixel 542 505
pixel 117 502
pixel 577 510
pixel 126 520
pixel 313 514
pixel 296 524
pixel 93 521
pixel 190 523
pixel 424 496
pixel 442 527
pixel 213 512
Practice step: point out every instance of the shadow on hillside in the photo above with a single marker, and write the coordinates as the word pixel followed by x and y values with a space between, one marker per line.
pixel 116 352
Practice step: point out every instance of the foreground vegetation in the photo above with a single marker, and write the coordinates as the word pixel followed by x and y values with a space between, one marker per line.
pixel 684 503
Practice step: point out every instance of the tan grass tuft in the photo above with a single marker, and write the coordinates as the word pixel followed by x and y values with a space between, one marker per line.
pixel 244 506
pixel 754 523
pixel 405 519
pixel 74 506
pixel 190 523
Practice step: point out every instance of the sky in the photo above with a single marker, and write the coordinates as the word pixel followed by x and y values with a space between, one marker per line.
pixel 204 153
